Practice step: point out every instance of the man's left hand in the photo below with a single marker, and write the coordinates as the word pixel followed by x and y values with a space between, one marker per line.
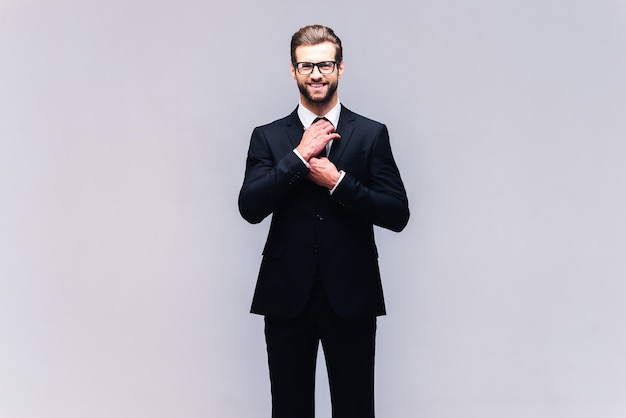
pixel 323 172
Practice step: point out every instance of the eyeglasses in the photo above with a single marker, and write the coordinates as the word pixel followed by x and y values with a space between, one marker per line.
pixel 306 68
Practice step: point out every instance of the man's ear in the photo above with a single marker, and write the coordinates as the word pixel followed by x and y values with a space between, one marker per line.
pixel 293 70
pixel 340 69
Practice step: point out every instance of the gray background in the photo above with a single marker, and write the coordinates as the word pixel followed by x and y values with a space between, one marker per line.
pixel 126 272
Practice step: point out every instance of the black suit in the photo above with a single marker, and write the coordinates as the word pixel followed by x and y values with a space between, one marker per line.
pixel 317 239
pixel 313 232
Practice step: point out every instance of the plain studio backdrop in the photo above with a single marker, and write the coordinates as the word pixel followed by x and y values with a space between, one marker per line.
pixel 126 272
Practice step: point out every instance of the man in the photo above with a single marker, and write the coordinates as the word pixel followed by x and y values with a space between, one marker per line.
pixel 319 278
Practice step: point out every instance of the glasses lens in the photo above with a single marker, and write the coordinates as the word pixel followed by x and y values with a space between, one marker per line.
pixel 305 68
pixel 326 67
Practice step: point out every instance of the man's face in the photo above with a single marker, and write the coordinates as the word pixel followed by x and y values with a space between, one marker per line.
pixel 317 88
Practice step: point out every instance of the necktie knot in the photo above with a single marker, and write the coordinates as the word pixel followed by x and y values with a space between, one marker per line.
pixel 319 119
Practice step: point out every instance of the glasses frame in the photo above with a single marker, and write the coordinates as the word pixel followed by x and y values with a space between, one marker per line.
pixel 314 65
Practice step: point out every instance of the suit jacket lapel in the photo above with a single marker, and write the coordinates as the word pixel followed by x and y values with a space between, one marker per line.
pixel 345 128
pixel 294 128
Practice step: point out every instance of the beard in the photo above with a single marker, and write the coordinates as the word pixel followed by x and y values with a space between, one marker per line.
pixel 332 88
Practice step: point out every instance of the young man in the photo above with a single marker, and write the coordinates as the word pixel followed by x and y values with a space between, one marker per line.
pixel 327 176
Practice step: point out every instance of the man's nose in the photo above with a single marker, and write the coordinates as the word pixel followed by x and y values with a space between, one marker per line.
pixel 316 72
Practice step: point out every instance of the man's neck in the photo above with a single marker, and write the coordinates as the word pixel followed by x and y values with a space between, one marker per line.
pixel 320 109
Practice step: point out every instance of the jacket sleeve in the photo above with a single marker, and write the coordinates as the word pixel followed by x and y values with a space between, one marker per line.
pixel 381 197
pixel 268 177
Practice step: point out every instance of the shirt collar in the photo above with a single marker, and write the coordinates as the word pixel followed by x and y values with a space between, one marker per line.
pixel 307 117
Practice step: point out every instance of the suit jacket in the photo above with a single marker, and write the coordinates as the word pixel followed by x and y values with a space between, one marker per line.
pixel 316 235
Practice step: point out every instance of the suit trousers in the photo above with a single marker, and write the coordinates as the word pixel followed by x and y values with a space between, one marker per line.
pixel 349 346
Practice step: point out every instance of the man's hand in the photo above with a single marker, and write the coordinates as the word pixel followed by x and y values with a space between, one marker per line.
pixel 323 172
pixel 315 139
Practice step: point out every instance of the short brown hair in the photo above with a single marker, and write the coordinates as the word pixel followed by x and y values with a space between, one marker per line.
pixel 314 35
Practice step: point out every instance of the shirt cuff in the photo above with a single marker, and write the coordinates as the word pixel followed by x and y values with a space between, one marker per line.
pixel 300 156
pixel 342 174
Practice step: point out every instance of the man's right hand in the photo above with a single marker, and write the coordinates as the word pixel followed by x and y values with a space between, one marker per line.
pixel 315 139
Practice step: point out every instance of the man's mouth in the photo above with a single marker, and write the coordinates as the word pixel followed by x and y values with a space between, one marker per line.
pixel 317 86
